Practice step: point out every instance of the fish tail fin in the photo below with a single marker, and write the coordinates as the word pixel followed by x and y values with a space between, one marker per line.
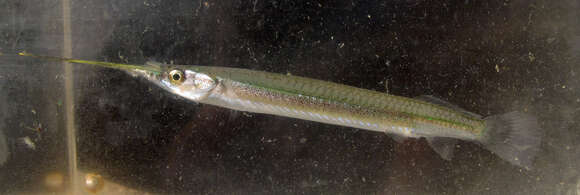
pixel 514 136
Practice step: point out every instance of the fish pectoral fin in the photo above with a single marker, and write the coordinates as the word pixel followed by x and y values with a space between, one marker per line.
pixel 443 146
pixel 398 138
pixel 440 102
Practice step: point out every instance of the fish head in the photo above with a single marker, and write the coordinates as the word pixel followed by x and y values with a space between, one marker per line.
pixel 178 79
pixel 185 82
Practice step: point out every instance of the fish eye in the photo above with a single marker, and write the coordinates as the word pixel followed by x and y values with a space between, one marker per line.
pixel 176 76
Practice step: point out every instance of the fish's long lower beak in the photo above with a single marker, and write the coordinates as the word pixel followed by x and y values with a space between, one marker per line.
pixel 129 67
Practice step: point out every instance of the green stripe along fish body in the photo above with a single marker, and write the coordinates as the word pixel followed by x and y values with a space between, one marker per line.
pixel 514 136
pixel 316 100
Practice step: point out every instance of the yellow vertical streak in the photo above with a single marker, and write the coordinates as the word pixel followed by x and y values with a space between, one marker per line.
pixel 69 99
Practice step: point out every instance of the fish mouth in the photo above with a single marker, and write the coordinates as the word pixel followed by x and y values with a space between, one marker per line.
pixel 127 67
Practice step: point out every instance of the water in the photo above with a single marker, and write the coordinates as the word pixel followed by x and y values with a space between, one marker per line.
pixel 488 57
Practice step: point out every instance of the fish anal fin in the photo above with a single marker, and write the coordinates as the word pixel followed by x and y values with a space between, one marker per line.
pixel 443 146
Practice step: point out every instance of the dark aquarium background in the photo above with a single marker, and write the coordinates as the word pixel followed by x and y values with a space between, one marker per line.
pixel 489 57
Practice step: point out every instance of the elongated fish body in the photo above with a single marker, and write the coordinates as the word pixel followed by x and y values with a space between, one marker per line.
pixel 326 102
pixel 514 136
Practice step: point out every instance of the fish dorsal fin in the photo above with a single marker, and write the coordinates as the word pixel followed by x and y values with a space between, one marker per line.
pixel 440 102
pixel 443 146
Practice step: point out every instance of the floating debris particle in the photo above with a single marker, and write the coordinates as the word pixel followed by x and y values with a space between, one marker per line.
pixel 28 142
pixel 247 114
pixel 531 56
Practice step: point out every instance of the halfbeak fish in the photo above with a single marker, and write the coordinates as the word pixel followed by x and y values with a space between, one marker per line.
pixel 514 136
